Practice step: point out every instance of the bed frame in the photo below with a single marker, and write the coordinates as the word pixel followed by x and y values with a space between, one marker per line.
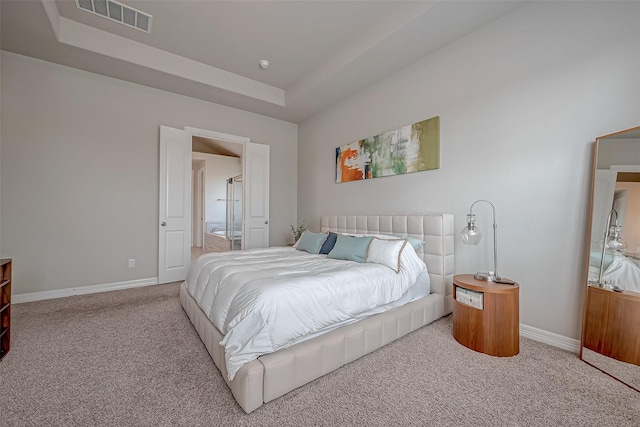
pixel 272 375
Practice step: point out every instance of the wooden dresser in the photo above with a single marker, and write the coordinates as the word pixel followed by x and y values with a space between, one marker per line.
pixel 5 307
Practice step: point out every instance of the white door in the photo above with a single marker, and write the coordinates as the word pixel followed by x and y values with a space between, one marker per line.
pixel 174 226
pixel 202 199
pixel 197 203
pixel 255 227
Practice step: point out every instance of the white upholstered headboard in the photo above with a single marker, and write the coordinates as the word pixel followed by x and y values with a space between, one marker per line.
pixel 436 230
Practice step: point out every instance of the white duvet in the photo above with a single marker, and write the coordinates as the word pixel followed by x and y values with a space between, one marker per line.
pixel 623 272
pixel 262 300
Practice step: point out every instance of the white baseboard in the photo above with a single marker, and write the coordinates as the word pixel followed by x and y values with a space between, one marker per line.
pixel 550 338
pixel 82 290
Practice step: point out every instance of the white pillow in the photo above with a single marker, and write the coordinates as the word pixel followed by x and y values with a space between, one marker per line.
pixel 386 252
pixel 379 236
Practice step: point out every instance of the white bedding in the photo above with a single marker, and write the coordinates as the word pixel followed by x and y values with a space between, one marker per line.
pixel 623 272
pixel 262 300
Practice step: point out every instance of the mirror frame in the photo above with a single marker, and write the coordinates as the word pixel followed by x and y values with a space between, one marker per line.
pixel 587 254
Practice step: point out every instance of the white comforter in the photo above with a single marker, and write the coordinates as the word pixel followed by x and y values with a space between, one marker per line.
pixel 262 300
pixel 623 272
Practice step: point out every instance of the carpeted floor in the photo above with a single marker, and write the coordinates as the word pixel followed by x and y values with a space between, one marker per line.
pixel 132 357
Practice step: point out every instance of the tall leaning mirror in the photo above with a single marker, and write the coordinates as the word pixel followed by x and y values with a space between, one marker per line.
pixel 611 316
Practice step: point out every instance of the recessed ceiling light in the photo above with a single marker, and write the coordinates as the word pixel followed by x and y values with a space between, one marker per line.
pixel 118 12
pixel 264 64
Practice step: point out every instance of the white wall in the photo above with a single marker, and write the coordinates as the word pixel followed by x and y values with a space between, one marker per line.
pixel 80 172
pixel 521 102
pixel 618 151
pixel 218 169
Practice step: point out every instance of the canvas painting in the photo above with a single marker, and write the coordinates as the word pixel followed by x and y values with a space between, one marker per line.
pixel 411 148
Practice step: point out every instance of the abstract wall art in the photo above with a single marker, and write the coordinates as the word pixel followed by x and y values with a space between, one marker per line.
pixel 411 148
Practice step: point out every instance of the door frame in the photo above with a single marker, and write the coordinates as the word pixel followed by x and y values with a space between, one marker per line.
pixel 198 203
pixel 226 137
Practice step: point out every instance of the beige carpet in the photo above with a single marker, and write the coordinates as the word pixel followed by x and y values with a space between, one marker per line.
pixel 132 358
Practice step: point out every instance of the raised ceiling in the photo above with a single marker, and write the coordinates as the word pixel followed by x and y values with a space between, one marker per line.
pixel 320 52
pixel 214 146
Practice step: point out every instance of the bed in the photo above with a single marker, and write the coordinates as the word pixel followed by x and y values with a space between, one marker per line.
pixel 273 374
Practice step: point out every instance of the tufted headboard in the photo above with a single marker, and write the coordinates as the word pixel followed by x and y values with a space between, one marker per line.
pixel 436 230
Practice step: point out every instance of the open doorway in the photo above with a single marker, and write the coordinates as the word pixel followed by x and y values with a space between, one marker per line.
pixel 175 232
pixel 217 196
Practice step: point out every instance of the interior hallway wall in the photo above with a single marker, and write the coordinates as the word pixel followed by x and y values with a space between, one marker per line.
pixel 80 168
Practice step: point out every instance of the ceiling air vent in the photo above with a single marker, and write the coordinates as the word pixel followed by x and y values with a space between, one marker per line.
pixel 117 12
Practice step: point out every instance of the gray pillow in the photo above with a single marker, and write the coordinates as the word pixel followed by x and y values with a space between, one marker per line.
pixel 311 242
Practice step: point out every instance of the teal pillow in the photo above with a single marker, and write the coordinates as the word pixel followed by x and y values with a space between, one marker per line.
pixel 595 257
pixel 416 243
pixel 311 242
pixel 350 248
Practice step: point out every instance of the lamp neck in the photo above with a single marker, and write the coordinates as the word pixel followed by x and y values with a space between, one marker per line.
pixel 493 208
pixel 611 213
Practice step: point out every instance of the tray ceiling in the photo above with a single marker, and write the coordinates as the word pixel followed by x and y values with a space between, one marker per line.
pixel 320 52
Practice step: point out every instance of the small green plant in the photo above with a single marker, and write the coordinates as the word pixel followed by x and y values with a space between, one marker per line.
pixel 298 230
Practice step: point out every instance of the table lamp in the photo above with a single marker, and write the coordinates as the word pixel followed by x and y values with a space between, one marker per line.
pixel 471 235
pixel 612 240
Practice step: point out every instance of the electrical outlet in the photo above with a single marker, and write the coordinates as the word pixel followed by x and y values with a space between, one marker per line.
pixel 132 262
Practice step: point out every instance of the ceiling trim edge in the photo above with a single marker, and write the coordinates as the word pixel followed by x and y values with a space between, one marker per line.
pixel 92 39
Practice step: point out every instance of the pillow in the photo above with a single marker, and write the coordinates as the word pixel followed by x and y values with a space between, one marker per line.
pixel 311 242
pixel 350 248
pixel 379 236
pixel 595 257
pixel 386 252
pixel 385 236
pixel 329 243
pixel 416 243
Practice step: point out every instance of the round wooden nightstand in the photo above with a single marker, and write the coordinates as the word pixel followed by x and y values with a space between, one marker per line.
pixel 486 315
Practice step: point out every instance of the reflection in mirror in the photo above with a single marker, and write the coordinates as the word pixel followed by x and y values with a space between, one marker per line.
pixel 611 317
pixel 615 241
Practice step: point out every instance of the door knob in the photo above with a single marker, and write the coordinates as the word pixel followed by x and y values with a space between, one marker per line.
pixel 266 222
pixel 163 224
